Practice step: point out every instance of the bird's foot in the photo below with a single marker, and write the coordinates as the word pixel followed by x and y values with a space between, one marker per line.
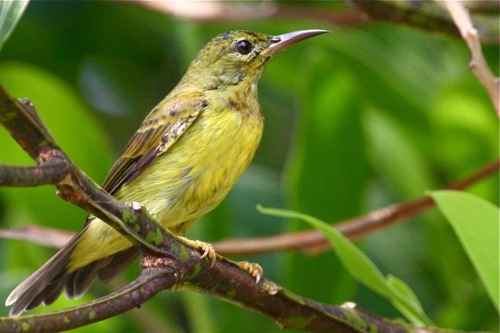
pixel 253 269
pixel 206 248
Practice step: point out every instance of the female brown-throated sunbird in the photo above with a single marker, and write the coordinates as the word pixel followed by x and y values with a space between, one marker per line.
pixel 186 156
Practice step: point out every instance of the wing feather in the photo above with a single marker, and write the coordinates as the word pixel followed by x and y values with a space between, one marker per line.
pixel 159 131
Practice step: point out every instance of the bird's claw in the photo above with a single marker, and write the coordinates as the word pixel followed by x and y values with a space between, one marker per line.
pixel 253 269
pixel 208 251
pixel 206 248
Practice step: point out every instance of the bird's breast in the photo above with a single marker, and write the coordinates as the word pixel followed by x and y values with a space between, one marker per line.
pixel 197 172
pixel 224 141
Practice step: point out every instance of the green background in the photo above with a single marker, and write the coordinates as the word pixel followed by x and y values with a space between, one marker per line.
pixel 358 119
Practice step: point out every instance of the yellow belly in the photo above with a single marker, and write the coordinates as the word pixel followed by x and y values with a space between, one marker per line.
pixel 186 182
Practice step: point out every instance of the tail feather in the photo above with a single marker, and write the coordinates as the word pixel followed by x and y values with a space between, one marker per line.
pixel 50 295
pixel 80 280
pixel 118 263
pixel 49 281
pixel 44 282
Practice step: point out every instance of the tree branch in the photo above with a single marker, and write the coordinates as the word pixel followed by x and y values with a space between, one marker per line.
pixel 312 241
pixel 22 122
pixel 133 295
pixel 420 14
pixel 477 64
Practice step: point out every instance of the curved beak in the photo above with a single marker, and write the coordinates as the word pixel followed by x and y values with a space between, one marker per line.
pixel 281 42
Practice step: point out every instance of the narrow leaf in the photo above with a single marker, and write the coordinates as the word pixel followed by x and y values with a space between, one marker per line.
pixel 10 13
pixel 362 268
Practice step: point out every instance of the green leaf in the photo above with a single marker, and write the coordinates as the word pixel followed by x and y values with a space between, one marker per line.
pixel 10 13
pixel 362 268
pixel 475 221
pixel 405 290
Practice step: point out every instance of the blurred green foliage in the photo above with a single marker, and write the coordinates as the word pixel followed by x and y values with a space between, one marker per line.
pixel 361 118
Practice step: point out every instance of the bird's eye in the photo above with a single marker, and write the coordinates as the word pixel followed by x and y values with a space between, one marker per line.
pixel 243 47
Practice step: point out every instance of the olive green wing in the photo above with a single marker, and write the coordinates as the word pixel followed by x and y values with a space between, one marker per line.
pixel 159 131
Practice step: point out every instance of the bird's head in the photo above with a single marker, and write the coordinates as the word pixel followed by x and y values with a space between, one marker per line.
pixel 239 56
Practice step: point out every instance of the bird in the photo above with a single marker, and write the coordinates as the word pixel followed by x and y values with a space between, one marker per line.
pixel 180 164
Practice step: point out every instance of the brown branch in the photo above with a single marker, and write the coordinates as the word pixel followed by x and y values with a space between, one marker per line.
pixel 406 13
pixel 133 295
pixel 210 11
pixel 22 122
pixel 312 241
pixel 51 168
pixel 38 235
pixel 478 64
pixel 421 14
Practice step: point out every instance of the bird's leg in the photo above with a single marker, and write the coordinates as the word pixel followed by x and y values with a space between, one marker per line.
pixel 206 248
pixel 254 269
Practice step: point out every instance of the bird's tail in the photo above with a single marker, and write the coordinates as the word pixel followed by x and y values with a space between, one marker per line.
pixel 49 281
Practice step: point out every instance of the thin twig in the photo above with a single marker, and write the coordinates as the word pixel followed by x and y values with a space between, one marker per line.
pixel 38 235
pixel 312 241
pixel 477 64
pixel 226 11
pixel 421 14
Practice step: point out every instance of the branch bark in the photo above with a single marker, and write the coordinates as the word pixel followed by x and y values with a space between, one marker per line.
pixel 143 288
pixel 420 14
pixel 477 64
pixel 313 242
